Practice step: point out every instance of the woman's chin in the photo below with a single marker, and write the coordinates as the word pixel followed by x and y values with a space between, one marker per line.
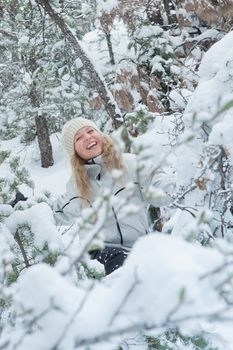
pixel 94 154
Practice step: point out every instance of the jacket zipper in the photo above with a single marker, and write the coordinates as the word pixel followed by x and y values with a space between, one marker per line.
pixel 98 177
pixel 117 222
pixel 118 226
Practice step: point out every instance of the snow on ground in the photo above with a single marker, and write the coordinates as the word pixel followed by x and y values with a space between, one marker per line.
pixel 52 179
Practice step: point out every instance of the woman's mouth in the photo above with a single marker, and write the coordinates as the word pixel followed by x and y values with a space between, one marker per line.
pixel 91 145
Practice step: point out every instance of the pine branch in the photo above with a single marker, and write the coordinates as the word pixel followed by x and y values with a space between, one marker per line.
pixel 19 241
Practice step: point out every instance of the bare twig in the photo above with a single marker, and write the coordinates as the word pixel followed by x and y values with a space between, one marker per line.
pixel 136 327
pixel 72 318
pixel 91 235
pixel 216 270
pixel 124 300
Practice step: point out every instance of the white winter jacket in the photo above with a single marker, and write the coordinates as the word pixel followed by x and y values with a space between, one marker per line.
pixel 120 231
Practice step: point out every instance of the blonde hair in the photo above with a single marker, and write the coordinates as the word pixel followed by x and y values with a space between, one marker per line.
pixel 111 159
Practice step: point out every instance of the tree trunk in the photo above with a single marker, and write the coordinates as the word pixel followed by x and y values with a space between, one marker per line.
pixel 110 50
pixel 44 141
pixel 153 12
pixel 46 152
pixel 168 6
pixel 1 10
pixel 106 96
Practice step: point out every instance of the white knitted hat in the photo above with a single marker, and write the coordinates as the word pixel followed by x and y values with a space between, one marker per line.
pixel 70 129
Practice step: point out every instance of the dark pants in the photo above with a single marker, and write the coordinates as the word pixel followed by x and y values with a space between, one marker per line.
pixel 111 258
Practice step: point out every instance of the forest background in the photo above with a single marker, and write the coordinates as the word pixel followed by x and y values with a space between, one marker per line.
pixel 157 75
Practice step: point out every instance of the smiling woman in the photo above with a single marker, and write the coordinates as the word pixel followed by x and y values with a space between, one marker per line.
pixel 93 156
pixel 88 143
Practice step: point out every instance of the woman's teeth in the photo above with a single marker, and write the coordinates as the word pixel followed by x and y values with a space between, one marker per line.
pixel 91 145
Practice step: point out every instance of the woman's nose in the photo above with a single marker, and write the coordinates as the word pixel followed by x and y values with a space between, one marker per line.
pixel 87 136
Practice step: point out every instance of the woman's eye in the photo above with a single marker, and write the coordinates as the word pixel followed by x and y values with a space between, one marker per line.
pixel 90 131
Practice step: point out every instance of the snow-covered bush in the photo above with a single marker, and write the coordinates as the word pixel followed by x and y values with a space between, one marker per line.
pixel 15 175
pixel 139 297
pixel 205 154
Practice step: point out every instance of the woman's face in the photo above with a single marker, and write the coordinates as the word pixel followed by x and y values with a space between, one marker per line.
pixel 88 143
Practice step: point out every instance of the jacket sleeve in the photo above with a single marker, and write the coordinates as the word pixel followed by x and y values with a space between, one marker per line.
pixel 160 182
pixel 68 206
pixel 151 179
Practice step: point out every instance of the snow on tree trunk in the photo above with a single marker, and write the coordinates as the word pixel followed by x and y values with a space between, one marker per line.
pixel 105 94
